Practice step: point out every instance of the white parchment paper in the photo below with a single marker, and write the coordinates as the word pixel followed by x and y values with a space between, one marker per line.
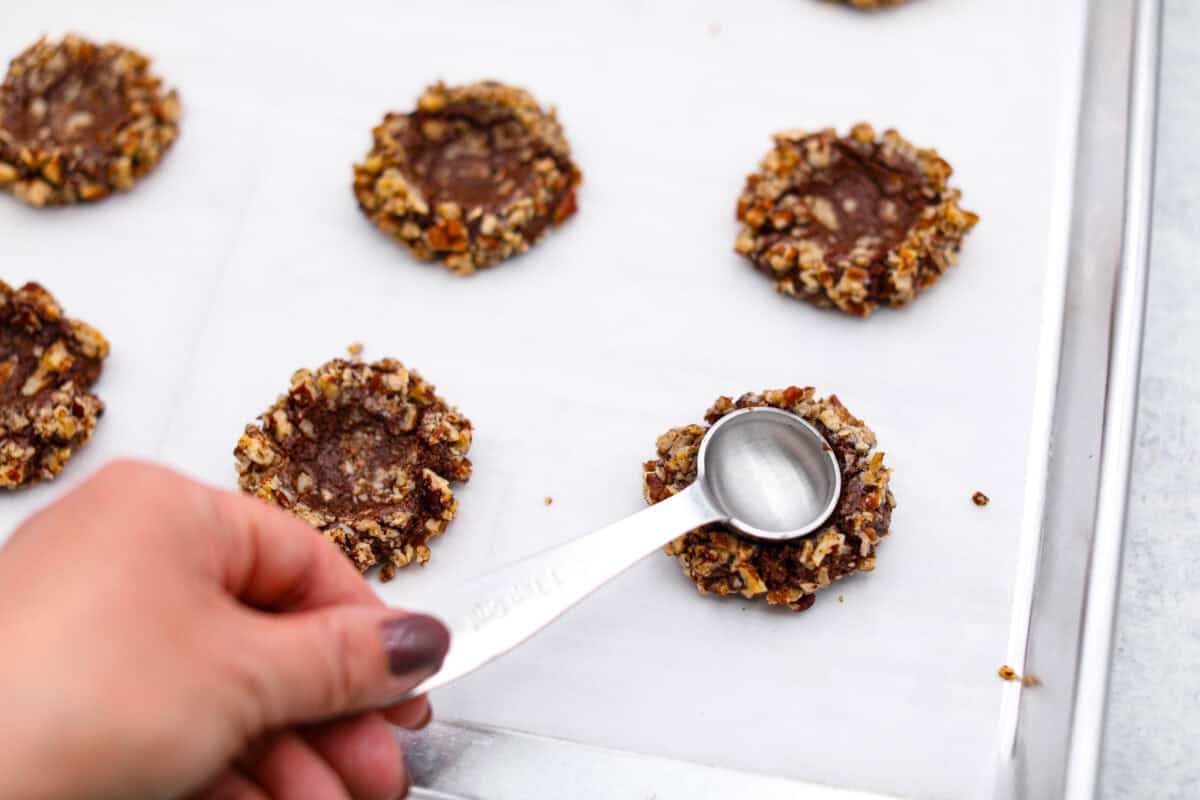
pixel 244 257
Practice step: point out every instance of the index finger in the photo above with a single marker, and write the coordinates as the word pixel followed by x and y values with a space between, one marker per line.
pixel 276 561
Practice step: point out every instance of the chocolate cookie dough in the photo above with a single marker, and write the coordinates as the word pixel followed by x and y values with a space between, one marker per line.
pixel 366 454
pixel 721 561
pixel 476 174
pixel 853 221
pixel 48 364
pixel 79 121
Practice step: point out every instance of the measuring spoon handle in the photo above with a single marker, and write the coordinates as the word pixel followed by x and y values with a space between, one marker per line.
pixel 491 614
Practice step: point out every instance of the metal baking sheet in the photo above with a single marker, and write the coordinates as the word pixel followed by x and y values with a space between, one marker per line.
pixel 244 257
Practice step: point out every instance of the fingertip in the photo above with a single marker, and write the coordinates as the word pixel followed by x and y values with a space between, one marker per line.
pixel 328 663
pixel 413 714
pixel 365 753
pixel 291 767
pixel 416 644
pixel 232 785
pixel 277 561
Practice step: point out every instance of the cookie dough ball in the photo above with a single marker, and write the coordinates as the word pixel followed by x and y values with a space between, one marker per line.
pixel 721 561
pixel 48 364
pixel 474 175
pixel 79 121
pixel 873 4
pixel 853 221
pixel 366 453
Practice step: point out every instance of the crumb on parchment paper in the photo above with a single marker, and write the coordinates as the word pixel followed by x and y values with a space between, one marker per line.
pixel 1009 674
pixel 980 499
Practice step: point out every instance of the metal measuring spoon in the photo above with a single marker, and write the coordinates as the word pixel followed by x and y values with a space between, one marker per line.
pixel 765 472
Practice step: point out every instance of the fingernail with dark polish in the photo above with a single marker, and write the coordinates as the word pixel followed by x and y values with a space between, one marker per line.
pixel 415 644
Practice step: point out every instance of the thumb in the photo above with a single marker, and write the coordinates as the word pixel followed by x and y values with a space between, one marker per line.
pixel 328 662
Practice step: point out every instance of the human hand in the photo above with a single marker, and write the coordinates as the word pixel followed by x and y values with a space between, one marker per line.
pixel 160 638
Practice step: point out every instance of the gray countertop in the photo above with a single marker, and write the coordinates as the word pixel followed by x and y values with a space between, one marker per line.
pixel 1152 740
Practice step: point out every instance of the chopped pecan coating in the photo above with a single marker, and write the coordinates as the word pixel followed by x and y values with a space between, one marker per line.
pixel 366 454
pixel 873 4
pixel 79 121
pixel 721 561
pixel 851 222
pixel 474 175
pixel 48 364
